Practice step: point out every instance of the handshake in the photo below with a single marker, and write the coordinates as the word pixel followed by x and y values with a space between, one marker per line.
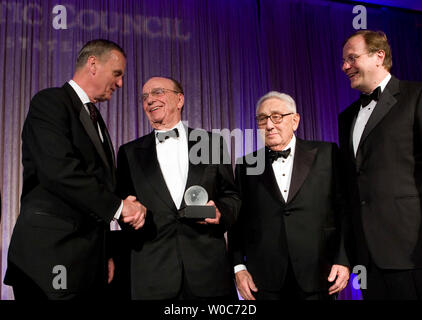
pixel 133 212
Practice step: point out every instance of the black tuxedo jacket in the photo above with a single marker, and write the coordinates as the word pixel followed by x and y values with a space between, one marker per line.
pixel 385 178
pixel 306 228
pixel 67 199
pixel 167 244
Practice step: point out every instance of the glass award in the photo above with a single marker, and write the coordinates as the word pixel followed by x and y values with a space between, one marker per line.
pixel 196 198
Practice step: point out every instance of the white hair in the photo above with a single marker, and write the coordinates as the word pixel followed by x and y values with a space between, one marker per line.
pixel 290 103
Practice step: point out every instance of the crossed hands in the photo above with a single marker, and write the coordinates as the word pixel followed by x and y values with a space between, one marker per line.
pixel 133 212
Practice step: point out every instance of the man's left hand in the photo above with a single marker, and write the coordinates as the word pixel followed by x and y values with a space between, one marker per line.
pixel 341 275
pixel 215 220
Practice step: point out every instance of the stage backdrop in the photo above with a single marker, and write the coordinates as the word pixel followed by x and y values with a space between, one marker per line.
pixel 225 53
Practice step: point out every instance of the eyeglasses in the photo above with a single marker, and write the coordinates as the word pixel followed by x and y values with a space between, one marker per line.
pixel 157 92
pixel 276 118
pixel 352 58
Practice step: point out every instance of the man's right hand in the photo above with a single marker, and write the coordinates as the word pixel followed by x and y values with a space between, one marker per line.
pixel 133 212
pixel 245 284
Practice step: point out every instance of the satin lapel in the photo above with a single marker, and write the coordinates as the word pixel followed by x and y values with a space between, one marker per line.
pixel 195 171
pixel 356 108
pixel 147 155
pixel 303 161
pixel 384 105
pixel 269 181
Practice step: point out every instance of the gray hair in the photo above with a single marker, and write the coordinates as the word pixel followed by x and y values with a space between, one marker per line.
pixel 98 48
pixel 290 103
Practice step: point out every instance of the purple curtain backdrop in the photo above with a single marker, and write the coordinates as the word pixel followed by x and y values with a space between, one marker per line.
pixel 225 53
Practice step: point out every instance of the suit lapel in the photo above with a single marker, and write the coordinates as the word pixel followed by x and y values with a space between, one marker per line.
pixel 384 105
pixel 108 144
pixel 269 181
pixel 87 123
pixel 195 171
pixel 147 155
pixel 93 135
pixel 303 161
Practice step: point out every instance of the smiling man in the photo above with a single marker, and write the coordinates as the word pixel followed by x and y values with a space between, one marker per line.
pixel 163 100
pixel 287 241
pixel 381 144
pixel 173 257
pixel 69 180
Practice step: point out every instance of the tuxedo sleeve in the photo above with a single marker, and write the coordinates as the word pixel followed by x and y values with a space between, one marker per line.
pixel 228 198
pixel 60 167
pixel 125 186
pixel 418 122
pixel 342 220
pixel 235 236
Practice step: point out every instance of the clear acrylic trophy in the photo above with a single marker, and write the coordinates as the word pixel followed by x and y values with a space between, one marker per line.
pixel 196 198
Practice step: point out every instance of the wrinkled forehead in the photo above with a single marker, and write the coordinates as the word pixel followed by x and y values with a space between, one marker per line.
pixel 273 105
pixel 157 82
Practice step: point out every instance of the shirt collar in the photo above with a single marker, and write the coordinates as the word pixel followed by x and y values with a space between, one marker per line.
pixel 80 92
pixel 384 82
pixel 291 145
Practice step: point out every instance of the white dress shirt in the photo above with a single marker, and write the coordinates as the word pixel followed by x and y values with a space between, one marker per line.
pixel 85 99
pixel 283 169
pixel 173 157
pixel 363 116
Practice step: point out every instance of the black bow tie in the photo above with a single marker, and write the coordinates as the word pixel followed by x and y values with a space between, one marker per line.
pixel 162 136
pixel 274 155
pixel 365 99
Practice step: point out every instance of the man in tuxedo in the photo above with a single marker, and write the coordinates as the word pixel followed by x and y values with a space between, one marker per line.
pixel 174 257
pixel 57 250
pixel 380 141
pixel 287 241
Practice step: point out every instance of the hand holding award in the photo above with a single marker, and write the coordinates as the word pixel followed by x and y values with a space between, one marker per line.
pixel 196 198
